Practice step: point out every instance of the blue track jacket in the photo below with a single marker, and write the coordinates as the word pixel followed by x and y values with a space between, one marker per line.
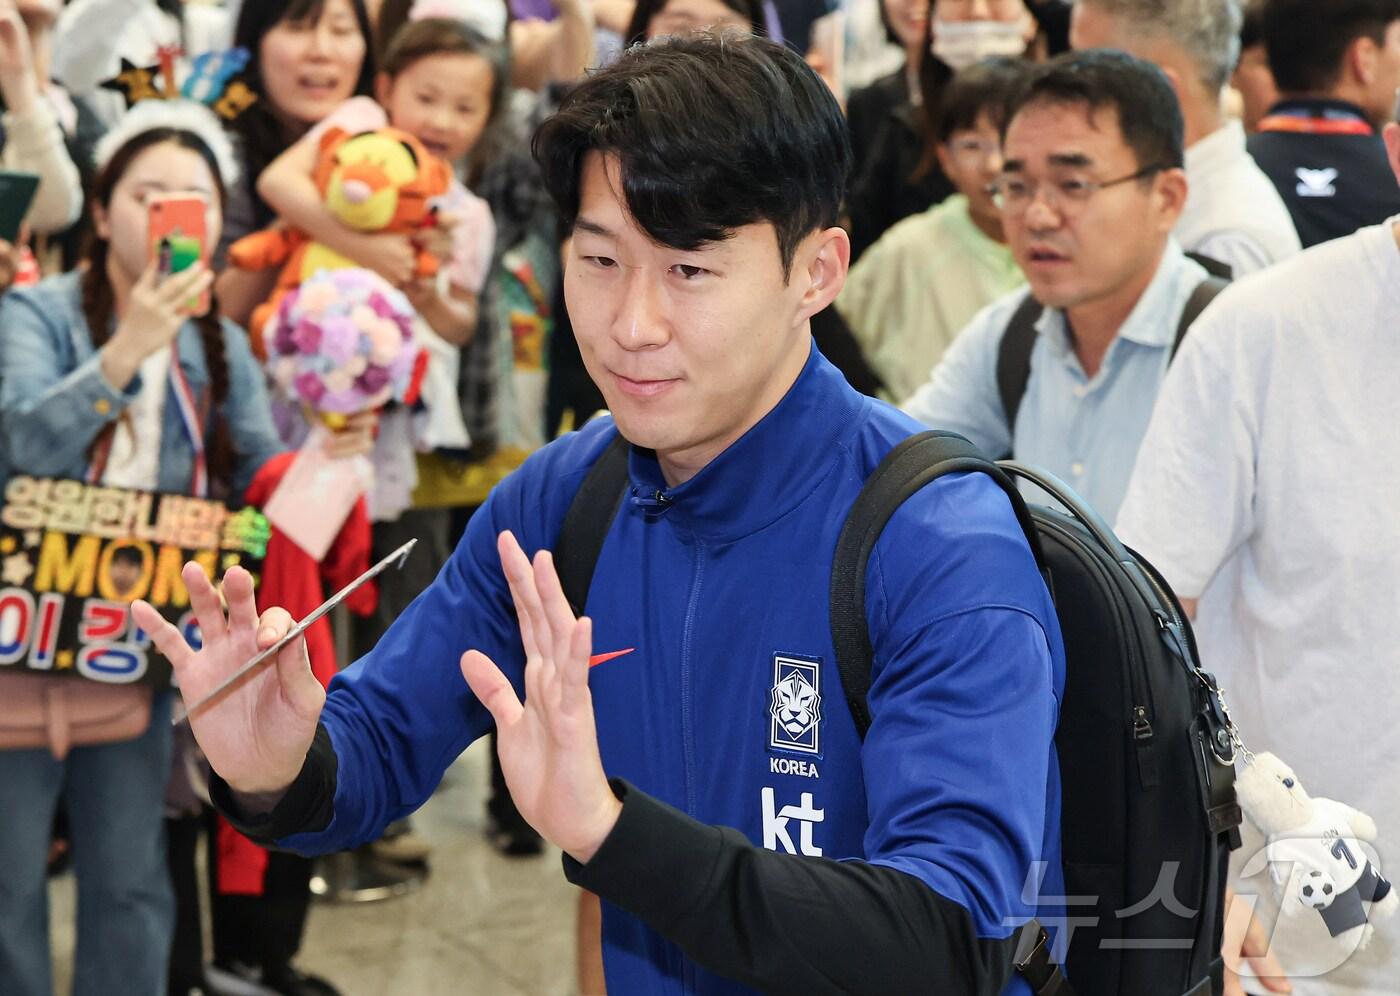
pixel 730 713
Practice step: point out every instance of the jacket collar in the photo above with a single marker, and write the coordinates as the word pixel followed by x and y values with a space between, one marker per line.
pixel 769 470
pixel 1327 108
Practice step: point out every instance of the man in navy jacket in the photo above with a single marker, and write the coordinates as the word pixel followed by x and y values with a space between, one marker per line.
pixel 701 180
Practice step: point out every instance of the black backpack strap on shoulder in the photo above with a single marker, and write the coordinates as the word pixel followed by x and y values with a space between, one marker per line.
pixel 586 523
pixel 1036 965
pixel 1014 357
pixel 1204 293
pixel 911 465
pixel 1215 267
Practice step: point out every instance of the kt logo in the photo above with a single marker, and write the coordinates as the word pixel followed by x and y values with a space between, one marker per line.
pixel 776 823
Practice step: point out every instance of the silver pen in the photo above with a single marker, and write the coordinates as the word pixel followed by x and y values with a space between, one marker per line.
pixel 395 559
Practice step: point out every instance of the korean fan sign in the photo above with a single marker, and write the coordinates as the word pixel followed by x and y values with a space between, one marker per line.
pixel 74 556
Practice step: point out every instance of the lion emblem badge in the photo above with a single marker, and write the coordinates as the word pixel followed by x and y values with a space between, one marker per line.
pixel 795 705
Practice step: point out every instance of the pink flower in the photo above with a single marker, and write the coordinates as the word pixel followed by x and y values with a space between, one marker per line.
pixel 310 388
pixel 363 316
pixel 317 295
pixel 385 342
pixel 306 336
pixel 338 381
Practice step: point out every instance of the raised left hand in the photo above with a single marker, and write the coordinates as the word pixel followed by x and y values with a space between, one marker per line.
pixel 549 744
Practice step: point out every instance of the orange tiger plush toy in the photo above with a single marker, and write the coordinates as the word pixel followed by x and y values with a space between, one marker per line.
pixel 377 181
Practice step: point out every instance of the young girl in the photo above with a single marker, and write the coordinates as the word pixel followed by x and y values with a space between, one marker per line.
pixel 91 365
pixel 441 82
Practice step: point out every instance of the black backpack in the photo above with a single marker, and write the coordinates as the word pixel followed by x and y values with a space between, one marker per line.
pixel 1146 758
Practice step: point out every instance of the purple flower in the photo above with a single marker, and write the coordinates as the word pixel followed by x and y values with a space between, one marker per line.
pixel 340 339
pixel 310 387
pixel 283 343
pixel 343 402
pixel 372 380
pixel 383 307
pixel 307 336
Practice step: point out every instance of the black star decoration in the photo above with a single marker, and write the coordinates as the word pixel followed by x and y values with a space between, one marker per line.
pixel 135 83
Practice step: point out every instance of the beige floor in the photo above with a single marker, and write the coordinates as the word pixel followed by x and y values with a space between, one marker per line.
pixel 480 925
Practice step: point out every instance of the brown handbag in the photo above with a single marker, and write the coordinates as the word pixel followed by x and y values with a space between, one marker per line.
pixel 43 710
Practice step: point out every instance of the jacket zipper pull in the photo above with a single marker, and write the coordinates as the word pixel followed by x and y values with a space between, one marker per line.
pixel 656 502
pixel 1146 755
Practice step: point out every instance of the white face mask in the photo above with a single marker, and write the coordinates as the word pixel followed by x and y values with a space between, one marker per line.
pixel 960 44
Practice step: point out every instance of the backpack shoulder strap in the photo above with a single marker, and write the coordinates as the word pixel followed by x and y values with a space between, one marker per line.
pixel 1213 266
pixel 587 521
pixel 1204 293
pixel 1014 357
pixel 914 463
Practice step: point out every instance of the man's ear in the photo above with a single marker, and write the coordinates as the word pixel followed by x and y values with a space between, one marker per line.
pixel 822 265
pixel 1362 58
pixel 1174 78
pixel 1391 134
pixel 1171 192
pixel 945 161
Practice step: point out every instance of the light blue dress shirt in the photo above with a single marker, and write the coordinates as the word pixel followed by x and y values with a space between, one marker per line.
pixel 1085 430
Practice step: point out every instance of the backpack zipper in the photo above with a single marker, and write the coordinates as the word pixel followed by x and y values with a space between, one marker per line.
pixel 1141 713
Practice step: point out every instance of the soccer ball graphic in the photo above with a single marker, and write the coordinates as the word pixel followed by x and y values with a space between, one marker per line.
pixel 1317 890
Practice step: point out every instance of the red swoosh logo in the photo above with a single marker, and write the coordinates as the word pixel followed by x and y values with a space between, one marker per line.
pixel 597 659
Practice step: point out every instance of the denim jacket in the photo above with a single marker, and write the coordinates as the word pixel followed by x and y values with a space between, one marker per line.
pixel 54 399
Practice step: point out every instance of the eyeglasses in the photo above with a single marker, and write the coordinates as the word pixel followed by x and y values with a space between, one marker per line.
pixel 1013 194
pixel 972 150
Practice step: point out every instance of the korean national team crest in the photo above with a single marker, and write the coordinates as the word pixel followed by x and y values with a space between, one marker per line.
pixel 795 705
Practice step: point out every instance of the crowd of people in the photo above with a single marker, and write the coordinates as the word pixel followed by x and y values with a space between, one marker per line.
pixel 1145 245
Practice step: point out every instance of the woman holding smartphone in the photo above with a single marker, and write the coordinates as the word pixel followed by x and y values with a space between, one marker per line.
pixel 106 375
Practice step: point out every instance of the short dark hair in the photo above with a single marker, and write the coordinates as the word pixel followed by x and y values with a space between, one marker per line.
pixel 987 87
pixel 712 132
pixel 1252 25
pixel 128 555
pixel 1149 115
pixel 645 10
pixel 1307 39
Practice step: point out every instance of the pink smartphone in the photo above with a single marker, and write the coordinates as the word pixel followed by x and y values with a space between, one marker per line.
pixel 178 238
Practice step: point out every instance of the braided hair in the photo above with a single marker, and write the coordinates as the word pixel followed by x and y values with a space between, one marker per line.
pixel 99 302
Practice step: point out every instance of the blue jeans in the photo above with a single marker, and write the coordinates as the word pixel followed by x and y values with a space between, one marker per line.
pixel 113 795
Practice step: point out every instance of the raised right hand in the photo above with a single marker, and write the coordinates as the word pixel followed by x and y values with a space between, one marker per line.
pixel 18 83
pixel 388 254
pixel 154 314
pixel 257 736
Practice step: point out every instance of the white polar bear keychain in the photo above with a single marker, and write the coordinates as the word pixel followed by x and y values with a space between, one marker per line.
pixel 1314 852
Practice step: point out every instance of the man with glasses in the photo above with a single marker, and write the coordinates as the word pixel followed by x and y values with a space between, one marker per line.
pixel 1063 374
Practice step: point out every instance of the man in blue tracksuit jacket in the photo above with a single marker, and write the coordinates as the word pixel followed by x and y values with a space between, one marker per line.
pixel 709 784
